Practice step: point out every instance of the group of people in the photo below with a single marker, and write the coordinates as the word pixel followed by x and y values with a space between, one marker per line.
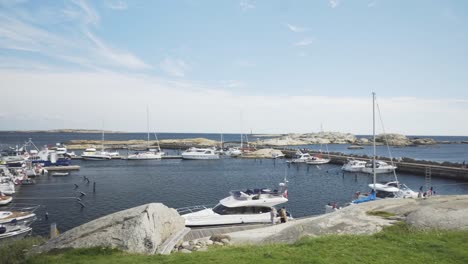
pixel 427 193
pixel 282 214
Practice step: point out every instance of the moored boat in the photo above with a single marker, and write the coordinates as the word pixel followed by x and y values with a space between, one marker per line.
pixel 200 154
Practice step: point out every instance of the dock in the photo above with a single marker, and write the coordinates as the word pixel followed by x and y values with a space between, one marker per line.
pixel 414 167
pixel 124 158
pixel 63 168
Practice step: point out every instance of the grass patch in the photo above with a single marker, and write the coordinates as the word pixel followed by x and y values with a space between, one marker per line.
pixel 14 252
pixel 382 214
pixel 395 244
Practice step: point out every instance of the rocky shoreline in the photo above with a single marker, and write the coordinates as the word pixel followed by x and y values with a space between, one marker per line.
pixel 395 140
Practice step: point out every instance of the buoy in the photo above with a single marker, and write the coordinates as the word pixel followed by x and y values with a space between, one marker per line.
pixel 78 199
pixel 76 186
pixel 82 204
pixel 83 194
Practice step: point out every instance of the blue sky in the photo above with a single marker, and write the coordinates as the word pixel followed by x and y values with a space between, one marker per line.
pixel 258 57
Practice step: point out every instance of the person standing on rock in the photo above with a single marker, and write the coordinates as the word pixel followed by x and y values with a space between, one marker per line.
pixel 273 215
pixel 283 215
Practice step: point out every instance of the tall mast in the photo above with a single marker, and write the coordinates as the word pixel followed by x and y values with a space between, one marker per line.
pixel 102 140
pixel 242 139
pixel 373 133
pixel 147 124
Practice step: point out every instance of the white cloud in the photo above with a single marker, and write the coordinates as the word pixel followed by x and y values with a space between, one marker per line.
pixel 197 107
pixel 246 5
pixel 296 28
pixel 174 67
pixel 71 41
pixel 334 3
pixel 117 5
pixel 304 42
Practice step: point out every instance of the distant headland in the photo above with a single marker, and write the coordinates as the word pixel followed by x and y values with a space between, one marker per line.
pixel 90 131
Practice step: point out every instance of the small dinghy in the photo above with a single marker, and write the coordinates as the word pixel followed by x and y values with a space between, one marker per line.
pixel 60 174
pixel 4 199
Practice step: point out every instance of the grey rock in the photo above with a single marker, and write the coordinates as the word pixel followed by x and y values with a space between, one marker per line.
pixel 218 243
pixel 185 244
pixel 203 249
pixel 186 251
pixel 140 229
pixel 209 242
pixel 225 241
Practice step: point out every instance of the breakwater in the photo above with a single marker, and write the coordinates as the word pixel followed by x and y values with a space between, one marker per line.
pixel 447 170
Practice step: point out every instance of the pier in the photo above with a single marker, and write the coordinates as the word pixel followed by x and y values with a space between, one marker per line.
pixel 416 167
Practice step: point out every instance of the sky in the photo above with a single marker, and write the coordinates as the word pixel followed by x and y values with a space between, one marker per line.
pixel 235 65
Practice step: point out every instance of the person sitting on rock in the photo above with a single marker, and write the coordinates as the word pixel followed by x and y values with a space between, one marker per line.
pixel 283 215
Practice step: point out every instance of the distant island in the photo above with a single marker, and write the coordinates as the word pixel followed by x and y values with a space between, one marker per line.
pixel 90 131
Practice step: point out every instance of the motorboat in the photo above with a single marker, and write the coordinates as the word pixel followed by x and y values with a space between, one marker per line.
pixel 393 189
pixel 148 155
pixel 17 217
pixel 380 167
pixel 60 174
pixel 200 154
pixel 13 232
pixel 317 160
pixel 241 207
pixel 354 165
pixel 301 158
pixel 278 155
pixel 93 154
pixel 233 152
pixel 5 199
pixel 6 185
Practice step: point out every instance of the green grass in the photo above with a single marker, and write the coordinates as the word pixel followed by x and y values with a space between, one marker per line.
pixel 14 252
pixel 382 214
pixel 396 244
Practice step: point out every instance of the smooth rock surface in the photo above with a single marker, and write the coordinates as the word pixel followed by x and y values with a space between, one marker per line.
pixel 138 230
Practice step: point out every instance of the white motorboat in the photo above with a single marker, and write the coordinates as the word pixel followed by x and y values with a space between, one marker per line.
pixel 147 155
pixel 317 160
pixel 393 189
pixel 233 152
pixel 200 154
pixel 60 174
pixel 278 155
pixel 380 167
pixel 17 217
pixel 354 165
pixel 241 207
pixel 93 154
pixel 302 157
pixel 12 232
pixel 6 185
pixel 5 199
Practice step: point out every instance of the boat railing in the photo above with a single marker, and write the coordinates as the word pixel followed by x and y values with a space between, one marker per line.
pixel 193 209
pixel 19 207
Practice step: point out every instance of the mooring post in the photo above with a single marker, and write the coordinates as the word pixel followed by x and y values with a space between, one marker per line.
pixel 94 187
pixel 53 230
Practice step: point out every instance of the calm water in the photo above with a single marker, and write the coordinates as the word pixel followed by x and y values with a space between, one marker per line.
pixel 122 184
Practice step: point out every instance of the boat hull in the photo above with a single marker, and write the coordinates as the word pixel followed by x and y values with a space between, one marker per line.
pixel 199 157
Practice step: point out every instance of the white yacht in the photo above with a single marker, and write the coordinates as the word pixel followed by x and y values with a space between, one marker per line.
pixel 200 154
pixel 147 155
pixel 93 154
pixel 393 189
pixel 317 160
pixel 241 207
pixel 5 199
pixel 303 158
pixel 17 217
pixel 233 152
pixel 6 185
pixel 354 165
pixel 380 167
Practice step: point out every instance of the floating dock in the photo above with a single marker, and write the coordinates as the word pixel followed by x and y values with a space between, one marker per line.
pixel 124 158
pixel 63 168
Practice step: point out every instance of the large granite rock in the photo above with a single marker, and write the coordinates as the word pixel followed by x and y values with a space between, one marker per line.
pixel 442 212
pixel 140 229
pixel 393 139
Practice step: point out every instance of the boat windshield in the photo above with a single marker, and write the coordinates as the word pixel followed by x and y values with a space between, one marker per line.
pixel 383 194
pixel 223 210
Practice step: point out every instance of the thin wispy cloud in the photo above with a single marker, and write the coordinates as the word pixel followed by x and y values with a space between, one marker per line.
pixel 334 3
pixel 174 67
pixel 117 5
pixel 19 31
pixel 372 4
pixel 246 5
pixel 304 42
pixel 296 28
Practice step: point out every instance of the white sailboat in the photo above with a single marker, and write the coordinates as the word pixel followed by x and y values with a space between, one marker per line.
pixel 93 154
pixel 150 154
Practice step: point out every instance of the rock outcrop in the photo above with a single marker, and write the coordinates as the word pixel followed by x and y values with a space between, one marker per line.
pixel 140 229
pixel 310 138
pixel 443 212
pixel 263 154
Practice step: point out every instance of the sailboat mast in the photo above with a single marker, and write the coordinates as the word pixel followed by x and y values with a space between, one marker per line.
pixel 373 133
pixel 242 138
pixel 102 140
pixel 147 125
